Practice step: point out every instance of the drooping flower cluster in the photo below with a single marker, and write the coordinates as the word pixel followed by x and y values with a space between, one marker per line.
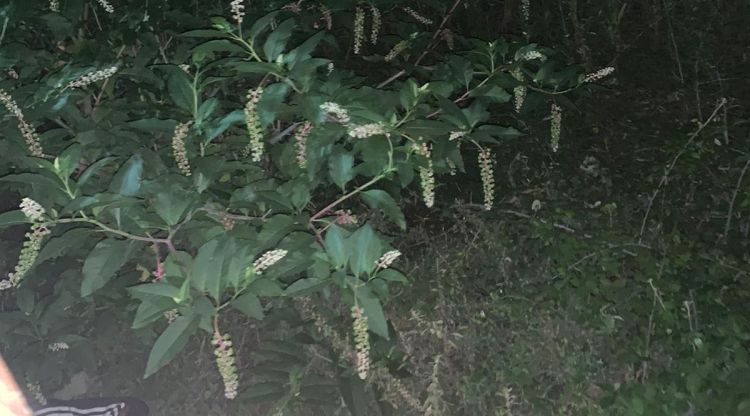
pixel 238 10
pixel 325 16
pixel 268 259
pixel 396 50
pixel 11 72
pixel 526 9
pixel 455 135
pixel 92 77
pixel 555 126
pixel 35 391
pixel 339 113
pixel 363 131
pixel 300 143
pixel 256 145
pixel 387 259
pixel 376 23
pixel 359 29
pixel 361 341
pixel 28 133
pixel 418 17
pixel 58 346
pixel 31 246
pixel 178 147
pixel 226 363
pixel 106 6
pixel 596 76
pixel 531 55
pixel 32 210
pixel 427 175
pixel 54 5
pixel 519 92
pixel 488 177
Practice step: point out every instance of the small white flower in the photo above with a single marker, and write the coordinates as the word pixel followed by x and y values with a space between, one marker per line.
pixel 595 76
pixel 387 259
pixel 268 259
pixel 238 10
pixel 536 205
pixel 106 6
pixel 32 210
pixel 58 346
pixel 364 131
pixel 531 55
pixel 92 77
pixel 340 113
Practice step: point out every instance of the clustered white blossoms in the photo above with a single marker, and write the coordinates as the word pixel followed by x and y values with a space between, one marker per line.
pixel 58 346
pixel 11 72
pixel 29 134
pixel 359 29
pixel 340 113
pixel 455 135
pixel 329 68
pixel 596 76
pixel 35 391
pixel 268 259
pixel 531 55
pixel 238 10
pixel 418 17
pixel 387 259
pixel 31 246
pixel 256 145
pixel 54 5
pixel 427 175
pixel 396 50
pixel 488 177
pixel 361 341
pixel 32 210
pixel 178 147
pixel 92 77
pixel 555 126
pixel 363 131
pixel 519 92
pixel 226 363
pixel 106 6
pixel 300 143
pixel 376 23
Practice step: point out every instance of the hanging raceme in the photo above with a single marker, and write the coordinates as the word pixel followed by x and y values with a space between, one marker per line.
pixel 178 147
pixel 519 92
pixel 254 130
pixel 555 126
pixel 376 22
pixel 361 341
pixel 238 10
pixel 106 5
pixel 34 212
pixel 418 17
pixel 488 176
pixel 359 29
pixel 426 175
pixel 92 77
pixel 29 134
pixel 226 363
pixel 300 143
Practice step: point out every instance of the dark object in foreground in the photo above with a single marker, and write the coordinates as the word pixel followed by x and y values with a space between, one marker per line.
pixel 104 406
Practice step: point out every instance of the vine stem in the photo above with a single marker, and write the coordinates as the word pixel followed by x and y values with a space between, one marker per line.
pixel 125 234
pixel 671 166
pixel 734 197
pixel 333 204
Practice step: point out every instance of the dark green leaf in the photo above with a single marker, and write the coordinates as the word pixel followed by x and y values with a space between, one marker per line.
pixel 364 250
pixel 379 199
pixel 170 342
pixel 249 304
pixel 374 311
pixel 12 218
pixel 127 181
pixel 336 247
pixel 340 166
pixel 101 265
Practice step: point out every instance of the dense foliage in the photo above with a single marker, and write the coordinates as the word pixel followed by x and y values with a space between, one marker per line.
pixel 237 184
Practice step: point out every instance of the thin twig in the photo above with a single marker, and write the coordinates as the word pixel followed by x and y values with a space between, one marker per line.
pixel 734 196
pixel 671 166
pixel 427 49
